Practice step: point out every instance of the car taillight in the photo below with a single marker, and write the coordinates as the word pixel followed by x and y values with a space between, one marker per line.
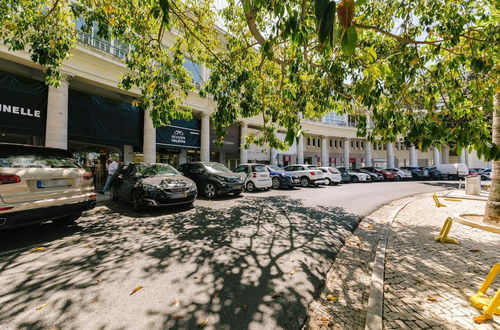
pixel 254 175
pixel 312 173
pixel 93 196
pixel 87 176
pixel 9 178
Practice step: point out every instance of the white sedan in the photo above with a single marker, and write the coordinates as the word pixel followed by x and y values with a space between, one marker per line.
pixel 356 176
pixel 332 175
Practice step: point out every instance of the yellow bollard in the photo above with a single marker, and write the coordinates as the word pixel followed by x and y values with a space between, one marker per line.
pixel 436 200
pixel 443 235
pixel 488 305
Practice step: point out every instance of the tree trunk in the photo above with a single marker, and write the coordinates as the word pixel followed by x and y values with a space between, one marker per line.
pixel 493 206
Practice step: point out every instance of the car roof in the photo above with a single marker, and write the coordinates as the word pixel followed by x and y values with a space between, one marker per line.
pixel 20 149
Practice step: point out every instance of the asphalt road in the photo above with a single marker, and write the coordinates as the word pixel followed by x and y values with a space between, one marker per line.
pixel 253 262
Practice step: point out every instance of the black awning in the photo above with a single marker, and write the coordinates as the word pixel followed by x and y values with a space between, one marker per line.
pixel 94 119
pixel 23 105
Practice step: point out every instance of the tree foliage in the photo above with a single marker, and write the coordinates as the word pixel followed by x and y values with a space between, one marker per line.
pixel 423 70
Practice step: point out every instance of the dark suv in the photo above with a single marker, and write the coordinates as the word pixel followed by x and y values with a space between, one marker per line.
pixel 212 179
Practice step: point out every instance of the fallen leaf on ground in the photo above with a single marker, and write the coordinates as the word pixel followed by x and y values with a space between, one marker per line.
pixel 177 302
pixel 292 272
pixel 418 281
pixel 202 323
pixel 276 295
pixel 369 226
pixel 38 249
pixel 165 229
pixel 475 250
pixel 136 289
pixel 98 280
pixel 41 307
pixel 481 318
pixel 216 294
pixel 178 316
pixel 94 300
pixel 87 246
pixel 332 298
pixel 432 299
pixel 245 307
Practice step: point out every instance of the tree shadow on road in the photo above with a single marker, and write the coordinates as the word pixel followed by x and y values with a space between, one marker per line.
pixel 254 265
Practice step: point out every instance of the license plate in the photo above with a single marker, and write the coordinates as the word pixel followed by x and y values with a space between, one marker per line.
pixel 296 180
pixel 178 195
pixel 54 183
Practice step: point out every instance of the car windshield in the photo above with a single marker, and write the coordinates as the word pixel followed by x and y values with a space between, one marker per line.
pixel 259 168
pixel 333 170
pixel 274 168
pixel 37 161
pixel 217 168
pixel 155 170
pixel 312 167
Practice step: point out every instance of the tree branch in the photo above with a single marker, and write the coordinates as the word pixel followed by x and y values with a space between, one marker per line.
pixel 401 39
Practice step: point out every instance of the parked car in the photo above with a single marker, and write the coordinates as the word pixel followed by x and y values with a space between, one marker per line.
pixel 417 172
pixel 212 179
pixel 400 173
pixel 144 185
pixel 388 175
pixel 456 171
pixel 282 178
pixel 356 176
pixel 478 169
pixel 485 174
pixel 345 177
pixel 39 184
pixel 308 174
pixel 332 175
pixel 373 175
pixel 255 176
pixel 434 173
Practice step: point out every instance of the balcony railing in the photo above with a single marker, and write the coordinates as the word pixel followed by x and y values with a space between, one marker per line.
pixel 101 45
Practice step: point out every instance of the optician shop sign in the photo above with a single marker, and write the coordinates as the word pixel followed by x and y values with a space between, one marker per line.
pixel 23 105
pixel 183 134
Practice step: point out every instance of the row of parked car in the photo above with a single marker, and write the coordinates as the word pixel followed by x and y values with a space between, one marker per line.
pixel 38 184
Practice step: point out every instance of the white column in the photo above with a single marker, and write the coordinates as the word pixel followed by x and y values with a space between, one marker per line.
pixel 347 146
pixel 205 138
pixel 445 154
pixel 128 153
pixel 325 161
pixel 56 133
pixel 368 154
pixel 274 159
pixel 413 156
pixel 390 155
pixel 149 142
pixel 300 150
pixel 462 156
pixel 243 151
pixel 436 156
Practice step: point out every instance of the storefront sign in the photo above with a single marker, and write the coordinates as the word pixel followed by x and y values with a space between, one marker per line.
pixel 231 143
pixel 23 105
pixel 182 134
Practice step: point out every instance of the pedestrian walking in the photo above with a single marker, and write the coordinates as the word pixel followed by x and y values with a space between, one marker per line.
pixel 111 167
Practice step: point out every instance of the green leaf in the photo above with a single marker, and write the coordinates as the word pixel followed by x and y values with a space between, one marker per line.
pixel 349 40
pixel 320 8
pixel 290 136
pixel 246 6
pixel 165 6
pixel 360 2
pixel 327 24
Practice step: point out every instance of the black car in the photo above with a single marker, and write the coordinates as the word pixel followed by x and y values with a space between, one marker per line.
pixel 146 185
pixel 434 173
pixel 212 178
pixel 344 176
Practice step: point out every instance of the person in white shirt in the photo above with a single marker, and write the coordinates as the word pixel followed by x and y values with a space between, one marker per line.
pixel 111 167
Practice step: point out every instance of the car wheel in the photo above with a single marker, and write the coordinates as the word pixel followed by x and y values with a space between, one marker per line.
pixel 113 194
pixel 484 178
pixel 210 190
pixel 304 182
pixel 68 220
pixel 250 187
pixel 328 181
pixel 276 183
pixel 398 178
pixel 137 201
pixel 237 193
pixel 354 179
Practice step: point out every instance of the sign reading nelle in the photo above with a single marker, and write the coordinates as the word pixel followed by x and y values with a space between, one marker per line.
pixel 20 111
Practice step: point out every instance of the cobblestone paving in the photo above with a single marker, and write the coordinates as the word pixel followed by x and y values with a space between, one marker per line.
pixel 348 282
pixel 417 268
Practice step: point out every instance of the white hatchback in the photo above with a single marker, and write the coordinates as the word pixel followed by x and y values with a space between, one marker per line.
pixel 255 176
pixel 332 175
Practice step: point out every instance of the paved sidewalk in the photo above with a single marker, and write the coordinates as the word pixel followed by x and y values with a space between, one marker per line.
pixel 427 283
pixel 416 269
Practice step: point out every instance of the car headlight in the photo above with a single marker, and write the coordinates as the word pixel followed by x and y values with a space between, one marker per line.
pixel 148 188
pixel 193 188
pixel 221 178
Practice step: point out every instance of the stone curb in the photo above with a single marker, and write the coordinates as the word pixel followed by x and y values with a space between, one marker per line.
pixel 374 316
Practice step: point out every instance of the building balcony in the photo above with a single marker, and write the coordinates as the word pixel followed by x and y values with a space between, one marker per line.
pixel 102 45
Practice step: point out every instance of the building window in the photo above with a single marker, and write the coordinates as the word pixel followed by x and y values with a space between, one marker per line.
pixel 330 141
pixel 194 71
pixel 362 145
pixel 308 142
